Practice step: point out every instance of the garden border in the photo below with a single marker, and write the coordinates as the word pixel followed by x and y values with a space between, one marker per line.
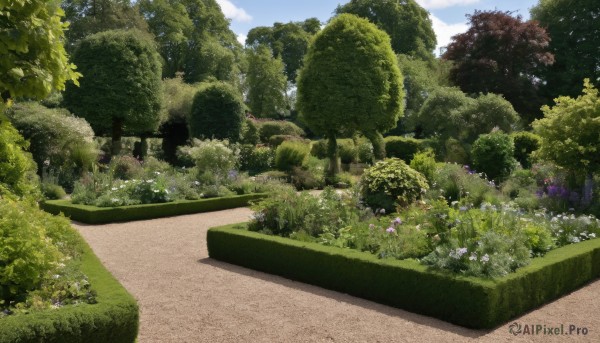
pixel 115 318
pixel 103 215
pixel 466 301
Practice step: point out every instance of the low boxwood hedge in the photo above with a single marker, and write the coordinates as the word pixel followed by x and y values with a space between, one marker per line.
pixel 102 215
pixel 115 318
pixel 466 301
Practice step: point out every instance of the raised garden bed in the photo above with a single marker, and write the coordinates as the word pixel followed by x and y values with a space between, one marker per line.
pixel 466 301
pixel 102 215
pixel 115 318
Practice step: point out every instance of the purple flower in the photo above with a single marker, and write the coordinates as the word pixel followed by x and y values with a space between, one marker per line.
pixel 390 230
pixel 461 251
pixel 397 221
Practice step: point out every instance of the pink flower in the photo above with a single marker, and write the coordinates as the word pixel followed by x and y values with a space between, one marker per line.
pixel 390 230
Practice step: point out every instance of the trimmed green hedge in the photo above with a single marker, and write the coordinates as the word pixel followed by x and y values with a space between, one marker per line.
pixel 467 301
pixel 101 215
pixel 115 318
pixel 403 148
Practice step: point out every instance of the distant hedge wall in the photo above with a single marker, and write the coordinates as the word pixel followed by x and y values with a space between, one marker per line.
pixel 115 318
pixel 101 215
pixel 467 301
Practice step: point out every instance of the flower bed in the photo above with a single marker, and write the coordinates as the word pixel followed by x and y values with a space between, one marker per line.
pixel 468 301
pixel 101 215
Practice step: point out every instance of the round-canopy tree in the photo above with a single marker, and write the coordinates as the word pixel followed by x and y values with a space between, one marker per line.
pixel 350 82
pixel 121 87
pixel 217 112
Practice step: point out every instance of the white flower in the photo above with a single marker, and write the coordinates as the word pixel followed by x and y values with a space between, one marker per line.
pixel 114 188
pixel 473 257
pixel 157 173
pixel 485 258
pixel 592 235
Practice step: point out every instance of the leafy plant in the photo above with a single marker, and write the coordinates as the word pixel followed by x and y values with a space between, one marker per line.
pixel 493 154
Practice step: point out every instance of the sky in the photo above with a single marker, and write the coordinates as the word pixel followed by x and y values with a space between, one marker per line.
pixel 448 16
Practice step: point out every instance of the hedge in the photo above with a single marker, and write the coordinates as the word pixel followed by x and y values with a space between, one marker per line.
pixel 466 301
pixel 115 318
pixel 403 148
pixel 102 215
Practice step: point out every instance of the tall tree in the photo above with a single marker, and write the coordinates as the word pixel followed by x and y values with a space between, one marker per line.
pixel 121 86
pixel 501 54
pixel 266 83
pixel 217 112
pixel 574 26
pixel 350 83
pixel 407 23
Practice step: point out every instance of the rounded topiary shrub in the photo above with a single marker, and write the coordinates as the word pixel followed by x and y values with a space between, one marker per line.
pixel 525 144
pixel 270 128
pixel 217 113
pixel 291 154
pixel 493 154
pixel 390 183
pixel 402 148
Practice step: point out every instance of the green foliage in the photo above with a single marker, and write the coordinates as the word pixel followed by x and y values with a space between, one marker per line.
pixel 59 142
pixel 214 160
pixel 256 160
pixel 457 183
pixel 249 134
pixel 276 140
pixel 493 154
pixel 34 61
pixel 407 23
pixel 17 169
pixel 569 131
pixel 126 168
pixel 270 128
pixel 347 152
pixel 424 163
pixel 391 182
pixel 52 191
pixel 121 86
pixel 402 148
pixel 266 83
pixel 217 113
pixel 291 154
pixel 350 82
pixel 466 301
pixel 365 151
pixel 525 144
pixel 311 175
pixel 178 98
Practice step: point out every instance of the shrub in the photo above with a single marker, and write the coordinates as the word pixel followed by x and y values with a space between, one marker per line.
pixel 319 149
pixel 214 160
pixel 217 113
pixel 256 160
pixel 365 151
pixel 126 168
pixel 17 169
pixel 493 154
pixel 276 140
pixel 455 151
pixel 391 182
pixel 52 191
pixel 424 163
pixel 460 183
pixel 249 133
pixel 402 148
pixel 290 154
pixel 525 144
pixel 347 151
pixel 267 129
pixel 311 175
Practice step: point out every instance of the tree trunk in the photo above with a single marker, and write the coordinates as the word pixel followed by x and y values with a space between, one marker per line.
pixel 332 152
pixel 378 144
pixel 117 133
pixel 588 189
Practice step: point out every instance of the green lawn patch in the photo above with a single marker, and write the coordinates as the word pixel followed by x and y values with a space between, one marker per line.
pixel 115 318
pixel 102 215
pixel 466 301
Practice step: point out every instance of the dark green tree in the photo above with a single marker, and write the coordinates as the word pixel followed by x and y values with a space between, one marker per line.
pixel 574 29
pixel 121 87
pixel 350 82
pixel 217 112
pixel 407 23
pixel 266 83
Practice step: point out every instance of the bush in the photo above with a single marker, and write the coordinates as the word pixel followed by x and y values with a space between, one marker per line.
pixel 318 149
pixel 424 163
pixel 59 141
pixel 493 154
pixel 217 113
pixel 276 140
pixel 391 182
pixel 402 148
pixel 290 154
pixel 126 168
pixel 249 133
pixel 365 151
pixel 347 151
pixel 214 160
pixel 455 151
pixel 256 160
pixel 525 144
pixel 311 175
pixel 52 191
pixel 17 169
pixel 460 183
pixel 267 129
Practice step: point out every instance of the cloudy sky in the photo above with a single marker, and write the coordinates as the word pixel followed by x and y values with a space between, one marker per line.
pixel 448 16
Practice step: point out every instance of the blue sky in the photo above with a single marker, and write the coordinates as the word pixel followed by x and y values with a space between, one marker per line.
pixel 448 16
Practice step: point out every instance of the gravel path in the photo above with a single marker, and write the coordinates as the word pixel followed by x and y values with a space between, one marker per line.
pixel 186 297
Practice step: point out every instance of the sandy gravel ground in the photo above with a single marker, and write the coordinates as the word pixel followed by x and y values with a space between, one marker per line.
pixel 185 296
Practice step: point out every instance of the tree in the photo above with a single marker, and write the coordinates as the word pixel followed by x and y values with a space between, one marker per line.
pixel 407 23
pixel 350 82
pixel 266 83
pixel 34 61
pixel 121 87
pixel 574 27
pixel 501 54
pixel 217 113
pixel 493 154
pixel 569 134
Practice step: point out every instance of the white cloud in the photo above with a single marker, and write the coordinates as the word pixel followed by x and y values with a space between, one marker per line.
pixel 233 12
pixel 444 32
pixel 242 38
pixel 431 4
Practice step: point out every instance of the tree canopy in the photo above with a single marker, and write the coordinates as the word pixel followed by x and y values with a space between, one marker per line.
pixel 121 86
pixel 266 83
pixel 350 82
pixel 407 23
pixel 501 54
pixel 217 112
pixel 574 26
